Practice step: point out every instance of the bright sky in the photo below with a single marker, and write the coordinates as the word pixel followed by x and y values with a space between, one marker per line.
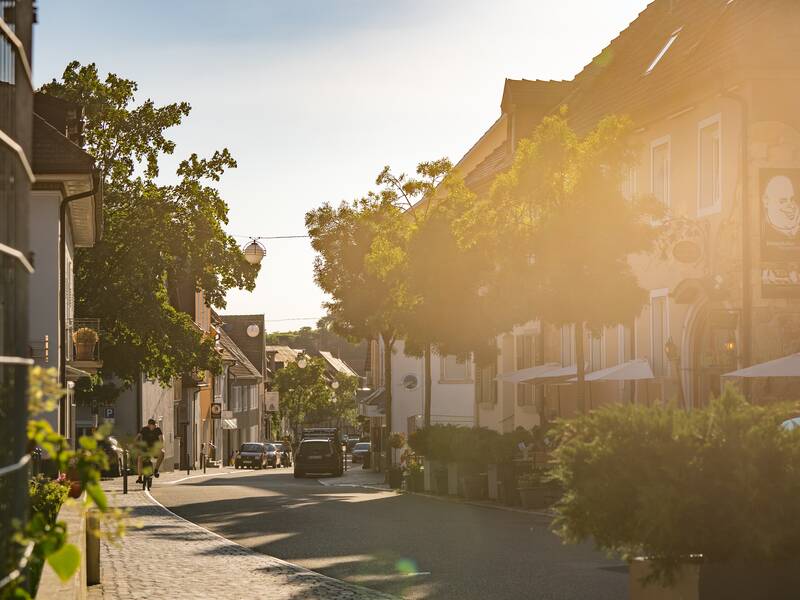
pixel 313 97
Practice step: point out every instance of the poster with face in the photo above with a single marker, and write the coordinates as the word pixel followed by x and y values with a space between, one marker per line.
pixel 780 232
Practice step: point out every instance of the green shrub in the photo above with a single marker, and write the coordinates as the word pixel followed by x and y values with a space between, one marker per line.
pixel 46 497
pixel 722 482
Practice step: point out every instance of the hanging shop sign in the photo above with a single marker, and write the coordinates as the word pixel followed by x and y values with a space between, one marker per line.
pixel 780 232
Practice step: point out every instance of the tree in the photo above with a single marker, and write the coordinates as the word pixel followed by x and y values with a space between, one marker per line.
pixel 558 224
pixel 302 392
pixel 360 247
pixel 161 243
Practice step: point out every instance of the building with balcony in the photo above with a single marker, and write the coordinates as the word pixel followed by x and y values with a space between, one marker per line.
pixel 65 214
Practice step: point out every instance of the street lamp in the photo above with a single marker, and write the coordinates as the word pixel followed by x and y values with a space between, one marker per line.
pixel 335 384
pixel 302 363
pixel 254 252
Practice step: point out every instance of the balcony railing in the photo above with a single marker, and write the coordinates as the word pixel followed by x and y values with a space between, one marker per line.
pixel 80 344
pixel 39 351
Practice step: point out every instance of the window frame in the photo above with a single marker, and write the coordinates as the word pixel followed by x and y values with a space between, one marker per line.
pixel 445 378
pixel 658 143
pixel 703 211
pixel 654 294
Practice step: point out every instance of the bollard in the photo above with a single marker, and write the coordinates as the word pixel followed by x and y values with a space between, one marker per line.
pixel 125 471
pixel 92 548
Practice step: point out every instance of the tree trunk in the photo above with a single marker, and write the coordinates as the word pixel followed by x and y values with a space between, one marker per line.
pixel 427 368
pixel 581 364
pixel 388 343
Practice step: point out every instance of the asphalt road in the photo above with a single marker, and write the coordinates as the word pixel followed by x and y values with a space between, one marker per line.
pixel 411 546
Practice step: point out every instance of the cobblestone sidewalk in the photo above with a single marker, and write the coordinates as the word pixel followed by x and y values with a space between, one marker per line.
pixel 169 557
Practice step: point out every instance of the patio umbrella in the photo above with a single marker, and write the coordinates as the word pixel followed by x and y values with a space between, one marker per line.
pixel 791 423
pixel 788 366
pixel 529 374
pixel 633 370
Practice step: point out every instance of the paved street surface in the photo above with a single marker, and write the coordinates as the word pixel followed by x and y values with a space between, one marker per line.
pixel 169 557
pixel 407 545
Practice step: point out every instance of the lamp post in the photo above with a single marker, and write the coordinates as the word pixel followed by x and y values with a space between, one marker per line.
pixel 674 357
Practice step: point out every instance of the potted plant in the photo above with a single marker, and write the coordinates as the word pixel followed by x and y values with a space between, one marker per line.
pixel 536 489
pixel 85 340
pixel 703 504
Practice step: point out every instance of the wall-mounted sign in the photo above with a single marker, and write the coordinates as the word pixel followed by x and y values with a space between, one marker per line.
pixel 780 232
pixel 109 413
pixel 687 251
pixel 271 401
pixel 216 410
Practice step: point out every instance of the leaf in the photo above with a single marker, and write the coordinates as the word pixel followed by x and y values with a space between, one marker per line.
pixel 65 562
pixel 96 493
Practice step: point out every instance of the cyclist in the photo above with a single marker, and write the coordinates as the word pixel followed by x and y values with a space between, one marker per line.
pixel 153 439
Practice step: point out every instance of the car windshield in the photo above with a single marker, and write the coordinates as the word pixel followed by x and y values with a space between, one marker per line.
pixel 314 447
pixel 270 448
pixel 362 446
pixel 252 448
pixel 278 446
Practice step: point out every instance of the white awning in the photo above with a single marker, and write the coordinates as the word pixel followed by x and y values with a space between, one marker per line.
pixel 633 370
pixel 229 424
pixel 788 366
pixel 529 374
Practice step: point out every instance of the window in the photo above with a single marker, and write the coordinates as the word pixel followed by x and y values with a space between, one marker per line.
pixel 659 170
pixel 595 353
pixel 253 394
pixel 485 384
pixel 709 167
pixel 567 345
pixel 659 324
pixel 219 386
pixel 455 369
pixel 629 183
pixel 525 357
pixel 624 344
pixel 663 51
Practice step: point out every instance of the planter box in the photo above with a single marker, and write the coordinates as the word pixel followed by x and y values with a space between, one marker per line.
pixel 415 482
pixel 492 479
pixel 739 580
pixel 439 480
pixel 542 496
pixel 474 486
pixel 452 479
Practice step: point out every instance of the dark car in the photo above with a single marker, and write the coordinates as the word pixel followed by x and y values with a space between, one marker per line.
pixel 318 456
pixel 360 450
pixel 252 455
pixel 274 455
pixel 113 451
pixel 286 453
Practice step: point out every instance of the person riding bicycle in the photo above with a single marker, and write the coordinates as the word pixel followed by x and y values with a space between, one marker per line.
pixel 152 438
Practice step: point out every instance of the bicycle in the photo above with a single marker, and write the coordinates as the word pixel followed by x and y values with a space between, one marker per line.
pixel 147 473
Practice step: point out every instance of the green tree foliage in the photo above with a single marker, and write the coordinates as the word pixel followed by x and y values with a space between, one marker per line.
pixel 721 481
pixel 308 397
pixel 560 231
pixel 360 262
pixel 161 242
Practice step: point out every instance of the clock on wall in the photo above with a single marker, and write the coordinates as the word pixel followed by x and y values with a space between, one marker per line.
pixel 253 330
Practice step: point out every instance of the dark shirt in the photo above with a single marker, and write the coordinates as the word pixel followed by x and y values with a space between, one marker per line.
pixel 150 436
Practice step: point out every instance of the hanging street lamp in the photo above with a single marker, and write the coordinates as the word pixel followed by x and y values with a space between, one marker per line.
pixel 254 252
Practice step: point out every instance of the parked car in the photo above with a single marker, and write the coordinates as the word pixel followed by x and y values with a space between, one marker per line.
pixel 252 455
pixel 286 453
pixel 318 455
pixel 360 450
pixel 274 455
pixel 351 442
pixel 114 452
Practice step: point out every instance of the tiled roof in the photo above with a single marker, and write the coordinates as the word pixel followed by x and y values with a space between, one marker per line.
pixel 243 367
pixel 283 354
pixel 533 92
pixel 715 37
pixel 54 154
pixel 338 364
pixel 489 167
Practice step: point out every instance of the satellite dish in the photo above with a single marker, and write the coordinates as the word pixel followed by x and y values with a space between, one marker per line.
pixel 253 330
pixel 410 382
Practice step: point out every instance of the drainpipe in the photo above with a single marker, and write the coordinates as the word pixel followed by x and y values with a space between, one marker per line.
pixel 62 299
pixel 747 295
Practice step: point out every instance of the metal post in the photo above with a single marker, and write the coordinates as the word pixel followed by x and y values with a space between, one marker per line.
pixel 125 471
pixel 203 459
